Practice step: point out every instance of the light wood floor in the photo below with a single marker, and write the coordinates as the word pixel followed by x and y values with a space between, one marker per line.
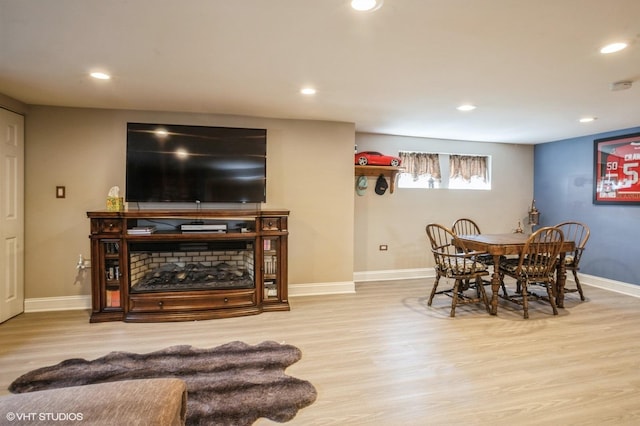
pixel 382 357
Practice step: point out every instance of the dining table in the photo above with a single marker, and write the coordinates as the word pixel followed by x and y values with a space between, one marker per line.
pixel 498 245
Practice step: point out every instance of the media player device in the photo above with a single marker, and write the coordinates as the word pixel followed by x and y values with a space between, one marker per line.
pixel 200 227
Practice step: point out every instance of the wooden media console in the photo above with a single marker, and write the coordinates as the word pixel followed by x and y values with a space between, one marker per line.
pixel 181 265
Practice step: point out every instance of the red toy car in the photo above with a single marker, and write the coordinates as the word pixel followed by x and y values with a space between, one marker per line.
pixel 373 158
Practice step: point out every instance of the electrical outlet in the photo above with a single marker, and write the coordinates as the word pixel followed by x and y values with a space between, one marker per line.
pixel 383 247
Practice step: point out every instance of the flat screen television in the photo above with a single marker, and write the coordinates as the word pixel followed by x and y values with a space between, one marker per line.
pixel 177 163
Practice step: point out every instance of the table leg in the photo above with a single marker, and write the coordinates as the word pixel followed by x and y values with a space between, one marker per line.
pixel 561 277
pixel 495 285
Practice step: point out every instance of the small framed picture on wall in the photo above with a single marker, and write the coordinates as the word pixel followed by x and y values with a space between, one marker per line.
pixel 617 170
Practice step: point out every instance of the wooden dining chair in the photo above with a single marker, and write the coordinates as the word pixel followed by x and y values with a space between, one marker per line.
pixel 578 233
pixel 535 265
pixel 454 261
pixel 466 226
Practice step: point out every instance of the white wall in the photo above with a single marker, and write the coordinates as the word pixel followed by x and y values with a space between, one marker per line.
pixel 309 170
pixel 399 219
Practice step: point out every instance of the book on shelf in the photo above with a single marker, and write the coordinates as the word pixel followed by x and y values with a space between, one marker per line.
pixel 141 230
pixel 113 298
pixel 270 289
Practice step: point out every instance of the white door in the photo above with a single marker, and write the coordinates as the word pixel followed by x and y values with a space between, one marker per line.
pixel 11 214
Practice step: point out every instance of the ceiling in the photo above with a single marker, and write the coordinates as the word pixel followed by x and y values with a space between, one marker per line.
pixel 532 68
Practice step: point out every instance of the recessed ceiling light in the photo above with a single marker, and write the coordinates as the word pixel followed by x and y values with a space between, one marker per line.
pixel 587 119
pixel 100 75
pixel 366 5
pixel 308 91
pixel 613 47
pixel 466 107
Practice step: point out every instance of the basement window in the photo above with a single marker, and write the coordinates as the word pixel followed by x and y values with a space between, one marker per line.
pixel 424 170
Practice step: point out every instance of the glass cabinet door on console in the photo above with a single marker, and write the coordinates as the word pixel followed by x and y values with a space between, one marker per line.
pixel 111 288
pixel 274 242
pixel 270 269
pixel 112 274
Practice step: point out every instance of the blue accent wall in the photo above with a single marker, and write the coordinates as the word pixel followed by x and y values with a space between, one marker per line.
pixel 563 190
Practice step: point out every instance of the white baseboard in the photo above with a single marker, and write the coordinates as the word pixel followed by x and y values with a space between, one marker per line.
pixel 315 289
pixel 403 274
pixel 393 274
pixel 611 285
pixel 68 303
pixel 63 303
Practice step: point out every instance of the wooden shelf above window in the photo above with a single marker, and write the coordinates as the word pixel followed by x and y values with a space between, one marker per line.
pixel 388 172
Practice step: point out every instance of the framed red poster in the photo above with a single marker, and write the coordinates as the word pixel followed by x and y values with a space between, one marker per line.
pixel 616 170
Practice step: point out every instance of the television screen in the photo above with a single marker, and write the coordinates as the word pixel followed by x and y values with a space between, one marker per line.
pixel 179 163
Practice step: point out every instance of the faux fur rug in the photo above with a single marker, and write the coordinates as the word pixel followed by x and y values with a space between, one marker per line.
pixel 232 384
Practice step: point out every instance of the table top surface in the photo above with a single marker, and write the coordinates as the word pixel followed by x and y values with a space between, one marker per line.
pixel 498 244
pixel 510 238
